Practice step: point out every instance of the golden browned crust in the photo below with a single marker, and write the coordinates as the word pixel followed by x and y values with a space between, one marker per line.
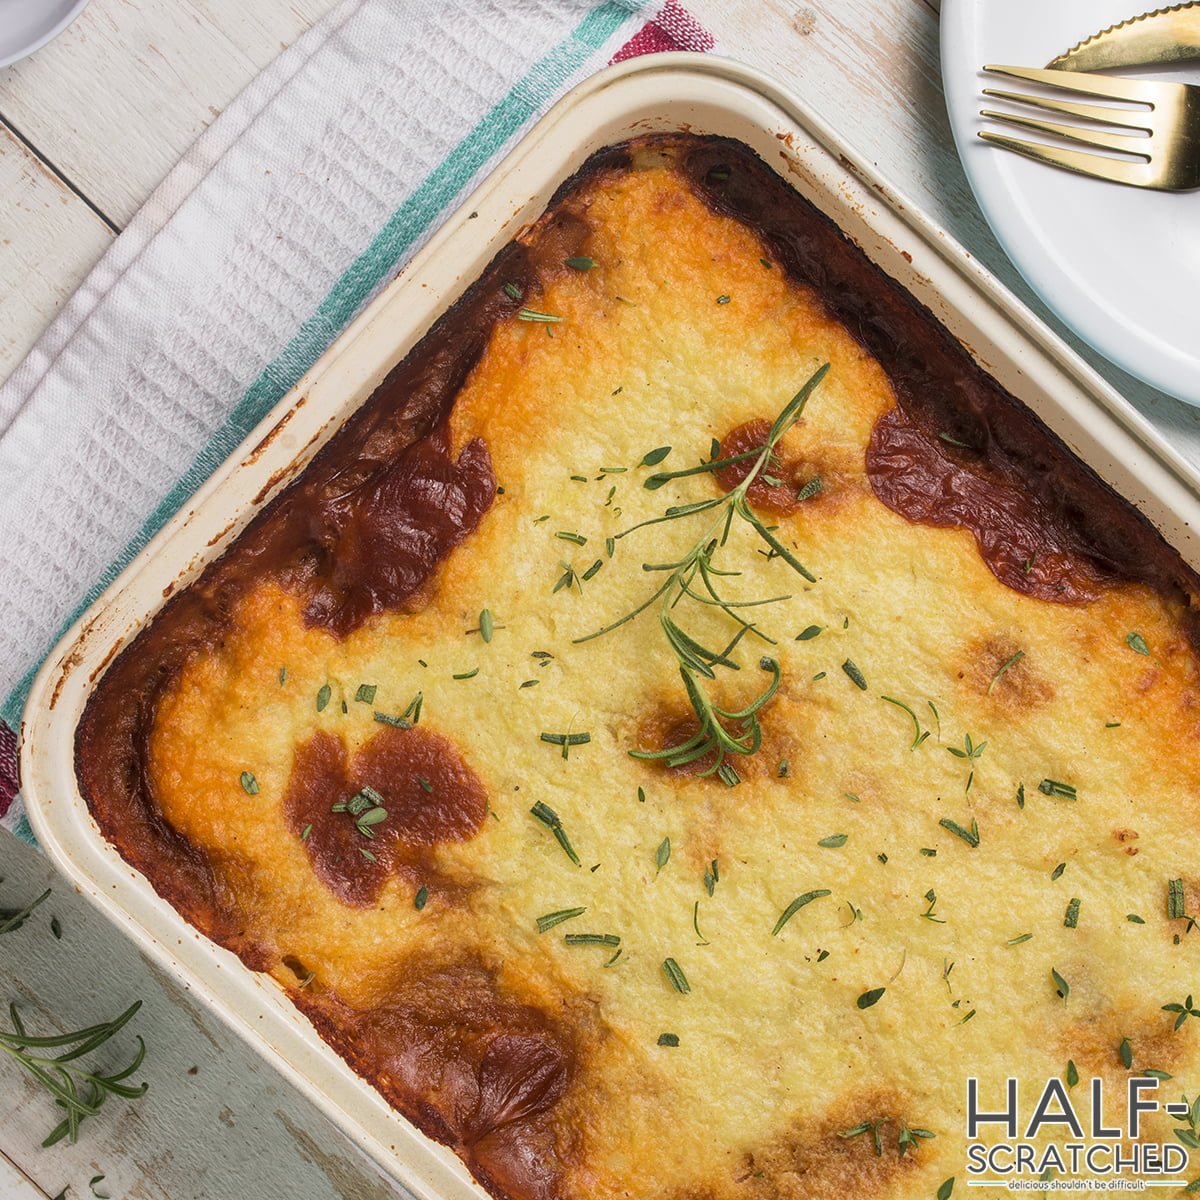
pixel 335 664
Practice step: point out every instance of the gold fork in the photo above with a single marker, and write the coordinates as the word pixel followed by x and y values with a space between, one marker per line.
pixel 1161 141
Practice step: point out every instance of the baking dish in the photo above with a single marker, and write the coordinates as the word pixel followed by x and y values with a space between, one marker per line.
pixel 645 96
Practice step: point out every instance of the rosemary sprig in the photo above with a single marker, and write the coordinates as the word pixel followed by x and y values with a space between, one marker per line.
pixel 80 1092
pixel 722 732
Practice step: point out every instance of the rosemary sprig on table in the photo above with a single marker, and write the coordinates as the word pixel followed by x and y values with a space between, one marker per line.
pixel 722 732
pixel 79 1091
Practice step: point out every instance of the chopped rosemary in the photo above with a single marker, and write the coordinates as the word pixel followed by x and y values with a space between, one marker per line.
pixel 1012 662
pixel 1125 1053
pixel 591 939
pixel 714 737
pixel 306 832
pixel 674 973
pixel 249 783
pixel 668 1039
pixel 712 876
pixel 970 836
pixel 970 750
pixel 722 299
pixel 580 263
pixel 662 855
pixel 1071 920
pixel 1176 901
pixel 1057 872
pixel 919 734
pixel 577 538
pixel 807 635
pixel 11 919
pixel 795 906
pixel 366 693
pixel 487 625
pixel 1019 939
pixel 810 489
pixel 835 841
pixel 557 918
pixel 1052 787
pixel 531 314
pixel 870 998
pixel 696 924
pixel 282 676
pixel 1185 1010
pixel 1061 986
pixel 421 898
pixel 856 676
pixel 466 674
pixel 566 740
pixel 549 818
pixel 512 291
pixel 593 569
pixel 323 696
pixel 1137 643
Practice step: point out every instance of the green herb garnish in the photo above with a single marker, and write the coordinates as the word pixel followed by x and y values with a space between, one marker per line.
pixel 531 314
pixel 249 783
pixel 1071 919
pixel 696 570
pixel 1176 901
pixel 871 998
pixel 1137 643
pixel 1012 662
pixel 1185 1010
pixel 549 818
pixel 856 676
pixel 674 973
pixel 580 263
pixel 668 1039
pixel 591 939
pixel 80 1092
pixel 835 841
pixel 421 898
pixel 970 836
pixel 557 918
pixel 323 697
pixel 662 855
pixel 566 740
pixel 795 906
pixel 1052 787
pixel 1061 986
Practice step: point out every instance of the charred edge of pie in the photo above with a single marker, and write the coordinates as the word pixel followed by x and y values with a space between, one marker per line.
pixel 952 420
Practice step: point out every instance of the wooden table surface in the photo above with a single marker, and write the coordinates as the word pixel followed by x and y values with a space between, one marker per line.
pixel 88 126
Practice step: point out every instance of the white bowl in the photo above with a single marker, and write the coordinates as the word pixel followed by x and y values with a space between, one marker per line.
pixel 27 25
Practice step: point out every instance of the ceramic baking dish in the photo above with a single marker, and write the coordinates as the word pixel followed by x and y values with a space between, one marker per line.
pixel 663 92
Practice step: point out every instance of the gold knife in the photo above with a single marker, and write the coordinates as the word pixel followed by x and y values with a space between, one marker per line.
pixel 1166 36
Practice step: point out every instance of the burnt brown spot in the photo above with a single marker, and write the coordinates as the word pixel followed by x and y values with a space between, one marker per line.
pixel 1011 685
pixel 774 488
pixel 670 726
pixel 1023 541
pixel 814 1160
pixel 473 1066
pixel 429 793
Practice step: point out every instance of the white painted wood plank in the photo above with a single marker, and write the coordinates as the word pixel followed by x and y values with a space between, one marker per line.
pixel 217 1122
pixel 49 239
pixel 15 1185
pixel 117 99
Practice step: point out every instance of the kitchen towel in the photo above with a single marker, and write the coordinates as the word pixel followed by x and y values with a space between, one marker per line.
pixel 288 214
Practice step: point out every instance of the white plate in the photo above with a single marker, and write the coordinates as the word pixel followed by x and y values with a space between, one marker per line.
pixel 27 25
pixel 1119 265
